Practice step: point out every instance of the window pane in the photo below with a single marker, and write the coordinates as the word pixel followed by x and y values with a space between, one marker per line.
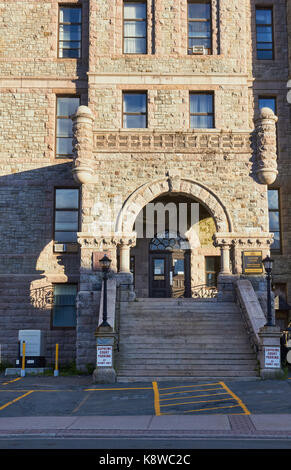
pixel 199 10
pixel 178 266
pixel 70 15
pixel 201 122
pixel 276 245
pixel 134 29
pixel 64 146
pixel 135 46
pixel 67 198
pixel 201 103
pixel 66 237
pixel 267 103
pixel 159 266
pixel 131 122
pixel 273 199
pixel 65 289
pixel 66 106
pixel 263 16
pixel 64 316
pixel 274 223
pixel 69 53
pixel 66 220
pixel 210 263
pixel 64 128
pixel 200 42
pixel 134 10
pixel 134 103
pixel 199 29
pixel 267 55
pixel 70 32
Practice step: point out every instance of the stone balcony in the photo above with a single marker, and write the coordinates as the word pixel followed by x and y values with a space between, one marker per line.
pixel 211 140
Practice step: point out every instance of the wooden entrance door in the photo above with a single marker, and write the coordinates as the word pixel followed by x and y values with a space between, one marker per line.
pixel 159 279
pixel 169 274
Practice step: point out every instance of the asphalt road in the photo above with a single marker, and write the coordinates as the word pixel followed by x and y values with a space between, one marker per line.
pixel 77 396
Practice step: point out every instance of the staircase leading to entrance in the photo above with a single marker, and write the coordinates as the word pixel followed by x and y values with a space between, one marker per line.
pixel 182 339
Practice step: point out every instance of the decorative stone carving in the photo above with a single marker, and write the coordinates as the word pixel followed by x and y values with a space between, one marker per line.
pixel 90 241
pixel 83 145
pixel 266 162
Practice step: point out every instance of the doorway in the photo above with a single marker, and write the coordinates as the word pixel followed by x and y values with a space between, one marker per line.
pixel 169 267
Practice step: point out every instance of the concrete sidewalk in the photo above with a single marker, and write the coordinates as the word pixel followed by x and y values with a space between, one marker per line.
pixel 251 426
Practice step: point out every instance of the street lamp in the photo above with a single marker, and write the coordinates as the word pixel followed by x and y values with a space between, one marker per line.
pixel 268 265
pixel 105 265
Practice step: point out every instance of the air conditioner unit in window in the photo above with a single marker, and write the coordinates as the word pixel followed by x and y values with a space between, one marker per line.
pixel 201 50
pixel 59 248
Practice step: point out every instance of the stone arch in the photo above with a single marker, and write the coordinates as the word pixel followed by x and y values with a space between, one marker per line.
pixel 149 191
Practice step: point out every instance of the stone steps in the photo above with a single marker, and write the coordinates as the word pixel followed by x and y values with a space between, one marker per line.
pixel 170 338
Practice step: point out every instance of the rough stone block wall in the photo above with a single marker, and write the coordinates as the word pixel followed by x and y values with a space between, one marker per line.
pixel 31 76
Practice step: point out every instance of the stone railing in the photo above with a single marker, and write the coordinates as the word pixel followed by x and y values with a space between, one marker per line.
pixel 211 140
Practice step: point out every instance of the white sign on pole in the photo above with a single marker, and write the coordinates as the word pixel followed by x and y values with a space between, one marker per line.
pixel 272 357
pixel 104 356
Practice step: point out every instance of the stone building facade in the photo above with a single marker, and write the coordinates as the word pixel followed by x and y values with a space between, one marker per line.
pixel 226 169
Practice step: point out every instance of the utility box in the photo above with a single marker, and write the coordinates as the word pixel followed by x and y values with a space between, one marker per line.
pixel 34 348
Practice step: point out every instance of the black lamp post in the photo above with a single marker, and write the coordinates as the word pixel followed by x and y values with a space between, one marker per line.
pixel 105 264
pixel 268 265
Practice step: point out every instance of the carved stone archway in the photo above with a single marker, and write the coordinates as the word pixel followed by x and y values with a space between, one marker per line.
pixel 173 184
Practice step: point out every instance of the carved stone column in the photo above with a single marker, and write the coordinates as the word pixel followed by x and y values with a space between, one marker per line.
pixel 125 243
pixel 83 145
pixel 266 161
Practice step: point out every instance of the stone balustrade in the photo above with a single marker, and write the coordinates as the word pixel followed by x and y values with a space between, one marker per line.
pixel 211 140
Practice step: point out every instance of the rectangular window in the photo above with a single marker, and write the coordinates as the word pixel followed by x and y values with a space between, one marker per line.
pixel 199 27
pixel 134 110
pixel 264 33
pixel 267 102
pixel 70 31
pixel 135 27
pixel 66 107
pixel 212 267
pixel 201 110
pixel 64 306
pixel 274 219
pixel 66 222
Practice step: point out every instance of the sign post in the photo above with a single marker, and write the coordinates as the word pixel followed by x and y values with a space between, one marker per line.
pixel 23 360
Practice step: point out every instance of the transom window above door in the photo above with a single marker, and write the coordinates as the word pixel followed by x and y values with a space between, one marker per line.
pixel 168 241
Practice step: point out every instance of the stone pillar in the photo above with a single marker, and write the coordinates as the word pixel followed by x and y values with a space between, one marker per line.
pixel 225 259
pixel 125 242
pixel 124 252
pixel 266 161
pixel 83 145
pixel 269 353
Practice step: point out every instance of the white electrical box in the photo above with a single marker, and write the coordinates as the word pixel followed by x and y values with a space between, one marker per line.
pixel 34 342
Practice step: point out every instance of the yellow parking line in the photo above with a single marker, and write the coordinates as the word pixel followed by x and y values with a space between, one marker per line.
pixel 105 389
pixel 15 400
pixel 195 396
pixel 187 391
pixel 191 402
pixel 187 386
pixel 10 381
pixel 215 408
pixel 156 399
pixel 241 404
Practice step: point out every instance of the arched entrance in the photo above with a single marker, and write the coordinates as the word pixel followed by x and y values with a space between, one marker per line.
pixel 213 258
pixel 169 266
